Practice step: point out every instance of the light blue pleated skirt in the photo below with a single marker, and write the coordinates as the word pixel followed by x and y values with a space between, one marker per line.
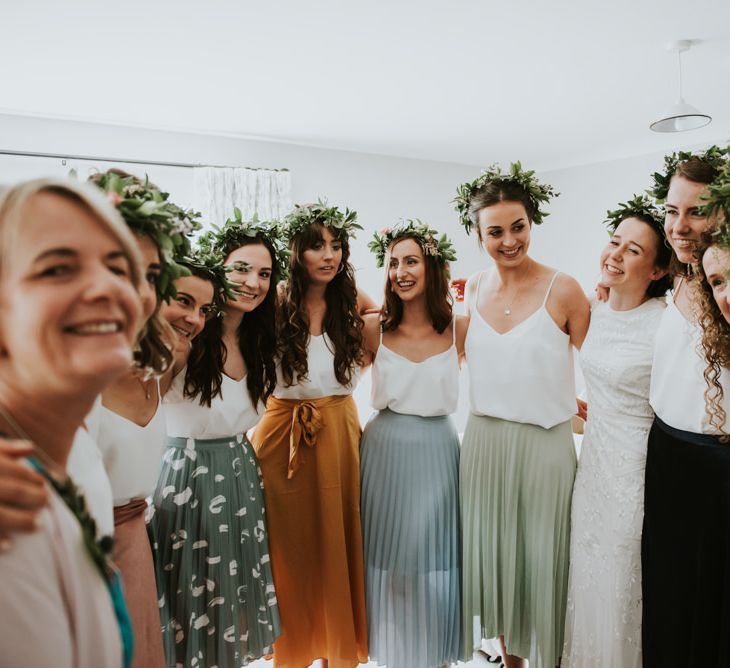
pixel 410 521
pixel 516 487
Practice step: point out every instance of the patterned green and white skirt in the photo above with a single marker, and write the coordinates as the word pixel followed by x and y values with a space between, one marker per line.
pixel 208 528
pixel 516 488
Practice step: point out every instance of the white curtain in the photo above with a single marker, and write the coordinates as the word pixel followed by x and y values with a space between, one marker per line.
pixel 264 192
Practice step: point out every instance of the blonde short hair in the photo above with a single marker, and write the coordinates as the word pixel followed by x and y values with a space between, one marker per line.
pixel 14 199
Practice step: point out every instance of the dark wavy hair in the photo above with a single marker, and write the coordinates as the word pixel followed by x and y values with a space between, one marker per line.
pixel 342 321
pixel 697 170
pixel 439 302
pixel 499 191
pixel 256 341
pixel 715 339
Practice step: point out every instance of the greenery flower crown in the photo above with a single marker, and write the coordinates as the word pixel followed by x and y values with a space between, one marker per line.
pixel 211 267
pixel 235 232
pixel 717 203
pixel 713 156
pixel 538 193
pixel 146 210
pixel 439 247
pixel 639 205
pixel 341 224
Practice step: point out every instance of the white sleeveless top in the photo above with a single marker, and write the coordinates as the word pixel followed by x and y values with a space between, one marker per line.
pixel 132 454
pixel 85 466
pixel 678 386
pixel 321 381
pixel 229 414
pixel 524 375
pixel 426 388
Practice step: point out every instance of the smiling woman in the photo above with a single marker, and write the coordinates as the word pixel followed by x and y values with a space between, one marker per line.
pixel 69 313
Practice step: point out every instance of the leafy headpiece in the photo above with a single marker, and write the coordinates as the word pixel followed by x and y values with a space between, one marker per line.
pixel 713 156
pixel 341 224
pixel 639 205
pixel 427 238
pixel 538 193
pixel 147 210
pixel 236 232
pixel 717 203
pixel 209 266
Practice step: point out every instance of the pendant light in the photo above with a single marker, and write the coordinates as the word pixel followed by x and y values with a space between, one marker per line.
pixel 680 116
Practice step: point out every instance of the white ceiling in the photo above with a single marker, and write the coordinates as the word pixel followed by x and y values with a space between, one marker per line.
pixel 553 83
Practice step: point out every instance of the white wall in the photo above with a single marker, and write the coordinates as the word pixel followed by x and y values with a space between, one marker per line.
pixel 380 188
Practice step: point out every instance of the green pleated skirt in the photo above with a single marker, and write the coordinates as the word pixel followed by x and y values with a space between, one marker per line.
pixel 515 495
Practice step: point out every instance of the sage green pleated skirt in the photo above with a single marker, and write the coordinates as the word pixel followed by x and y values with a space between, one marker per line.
pixel 515 495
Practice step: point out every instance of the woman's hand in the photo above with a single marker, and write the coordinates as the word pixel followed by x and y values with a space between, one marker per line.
pixel 582 409
pixel 458 285
pixel 22 491
pixel 602 292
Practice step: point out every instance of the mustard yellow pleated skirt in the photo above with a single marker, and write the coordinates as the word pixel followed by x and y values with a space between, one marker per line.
pixel 309 453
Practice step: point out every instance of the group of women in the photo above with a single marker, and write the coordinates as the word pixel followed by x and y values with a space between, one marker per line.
pixel 127 356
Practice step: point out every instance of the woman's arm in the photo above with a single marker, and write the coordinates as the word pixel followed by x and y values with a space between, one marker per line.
pixel 371 335
pixel 366 304
pixel 23 492
pixel 462 325
pixel 575 308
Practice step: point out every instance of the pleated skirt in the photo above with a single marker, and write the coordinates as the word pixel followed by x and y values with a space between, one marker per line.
pixel 516 487
pixel 685 550
pixel 410 517
pixel 216 593
pixel 310 458
pixel 133 556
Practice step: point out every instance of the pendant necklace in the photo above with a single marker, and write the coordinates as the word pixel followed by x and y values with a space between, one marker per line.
pixel 508 307
pixel 145 387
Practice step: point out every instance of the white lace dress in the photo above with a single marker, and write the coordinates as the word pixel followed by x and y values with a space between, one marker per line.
pixel 603 619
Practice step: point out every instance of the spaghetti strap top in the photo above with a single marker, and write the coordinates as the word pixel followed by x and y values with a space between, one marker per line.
pixel 427 388
pixel 524 375
pixel 678 385
pixel 321 380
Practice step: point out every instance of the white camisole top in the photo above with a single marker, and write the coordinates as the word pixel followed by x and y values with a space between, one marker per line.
pixel 230 413
pixel 678 386
pixel 132 454
pixel 524 375
pixel 426 388
pixel 321 381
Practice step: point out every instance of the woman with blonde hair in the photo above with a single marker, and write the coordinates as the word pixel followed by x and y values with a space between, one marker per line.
pixel 69 314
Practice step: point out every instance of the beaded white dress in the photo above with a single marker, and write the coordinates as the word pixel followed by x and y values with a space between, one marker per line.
pixel 603 619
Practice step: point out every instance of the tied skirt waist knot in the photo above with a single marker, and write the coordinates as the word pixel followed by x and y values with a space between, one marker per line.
pixel 309 453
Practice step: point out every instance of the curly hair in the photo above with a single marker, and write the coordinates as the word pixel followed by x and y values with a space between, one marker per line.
pixel 439 302
pixel 715 340
pixel 342 321
pixel 256 337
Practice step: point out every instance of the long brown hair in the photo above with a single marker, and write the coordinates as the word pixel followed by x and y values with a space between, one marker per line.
pixel 715 339
pixel 697 170
pixel 439 302
pixel 256 336
pixel 342 322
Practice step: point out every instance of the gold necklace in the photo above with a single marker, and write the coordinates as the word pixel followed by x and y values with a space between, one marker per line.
pixel 508 307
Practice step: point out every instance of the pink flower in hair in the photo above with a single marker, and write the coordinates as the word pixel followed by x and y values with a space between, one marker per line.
pixel 385 231
pixel 115 198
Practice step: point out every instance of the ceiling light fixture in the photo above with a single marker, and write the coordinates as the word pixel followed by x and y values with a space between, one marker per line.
pixel 680 116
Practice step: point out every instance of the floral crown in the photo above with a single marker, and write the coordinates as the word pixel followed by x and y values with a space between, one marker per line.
pixel 639 205
pixel 538 193
pixel 439 247
pixel 146 210
pixel 714 156
pixel 341 224
pixel 209 265
pixel 717 203
pixel 235 232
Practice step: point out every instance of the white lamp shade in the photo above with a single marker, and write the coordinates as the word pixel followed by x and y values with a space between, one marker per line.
pixel 680 117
